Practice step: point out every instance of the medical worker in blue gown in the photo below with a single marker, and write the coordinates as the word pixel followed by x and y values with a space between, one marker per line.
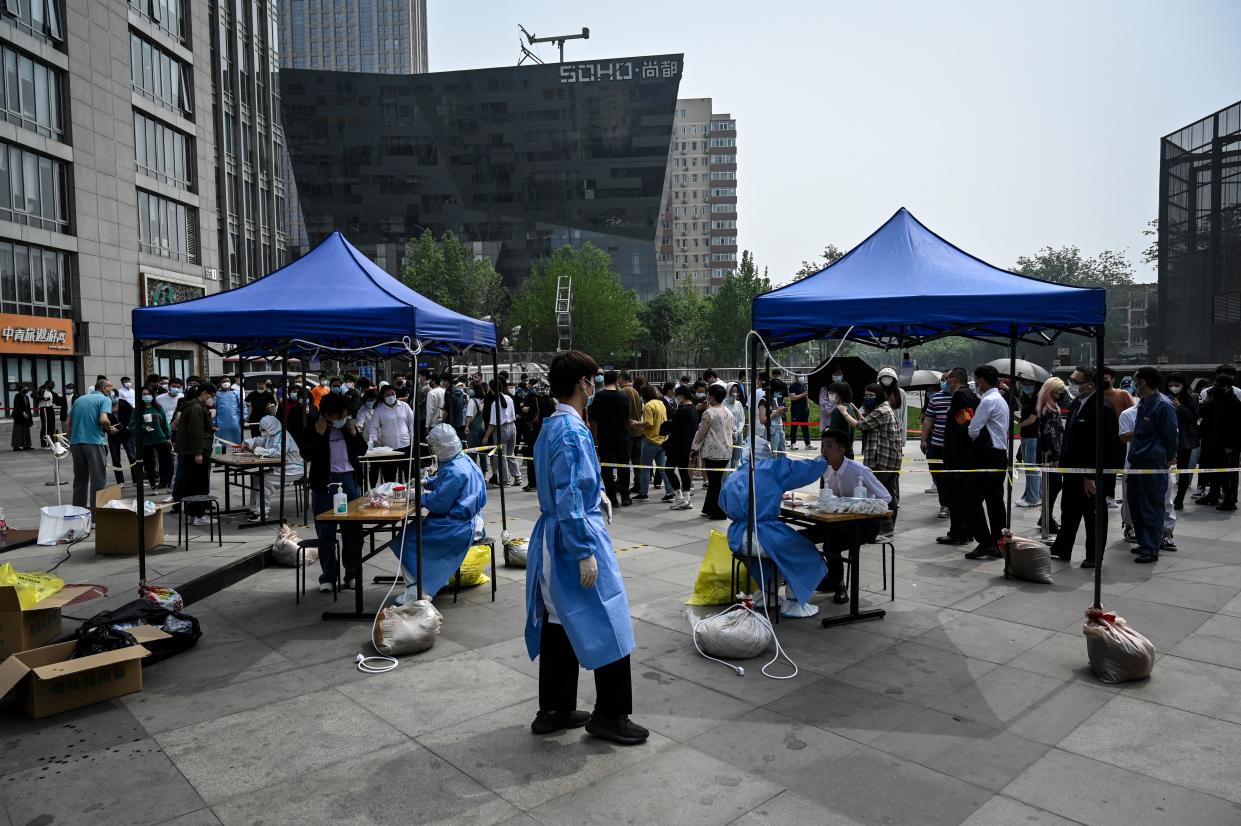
pixel 796 557
pixel 576 608
pixel 453 497
pixel 230 409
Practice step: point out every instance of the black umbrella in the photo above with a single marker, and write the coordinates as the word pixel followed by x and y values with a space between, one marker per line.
pixel 857 374
pixel 922 380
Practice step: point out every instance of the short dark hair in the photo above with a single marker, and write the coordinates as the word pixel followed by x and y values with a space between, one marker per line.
pixel 609 377
pixel 778 385
pixel 666 387
pixel 988 373
pixel 1088 373
pixel 1148 376
pixel 624 374
pixel 839 437
pixel 648 393
pixel 684 391
pixel 333 403
pixel 710 374
pixel 699 383
pixel 1108 371
pixel 876 388
pixel 1225 370
pixel 844 393
pixel 204 387
pixel 684 379
pixel 958 375
pixel 716 392
pixel 567 369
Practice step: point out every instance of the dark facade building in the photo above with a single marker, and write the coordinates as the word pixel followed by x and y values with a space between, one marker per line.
pixel 1199 318
pixel 516 161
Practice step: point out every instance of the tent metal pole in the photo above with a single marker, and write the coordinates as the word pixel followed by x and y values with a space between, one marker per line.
pixel 138 470
pixel 417 440
pixel 1100 505
pixel 241 396
pixel 767 396
pixel 1013 395
pixel 753 400
pixel 284 430
pixel 501 460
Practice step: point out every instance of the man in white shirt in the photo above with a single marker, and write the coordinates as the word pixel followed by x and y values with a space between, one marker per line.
pixel 168 401
pixel 126 390
pixel 391 425
pixel 435 404
pixel 842 477
pixel 989 433
pixel 506 459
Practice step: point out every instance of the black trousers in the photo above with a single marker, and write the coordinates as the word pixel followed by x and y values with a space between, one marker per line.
pixel 678 479
pixel 392 470
pixel 1222 486
pixel 805 429
pixel 986 490
pixel 836 541
pixel 891 481
pixel 1182 480
pixel 159 474
pixel 635 457
pixel 114 448
pixel 1077 507
pixel 935 456
pixel 951 487
pixel 715 479
pixel 615 479
pixel 558 672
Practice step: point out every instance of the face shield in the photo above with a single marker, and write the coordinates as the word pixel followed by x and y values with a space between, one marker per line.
pixel 762 450
pixel 444 443
pixel 269 426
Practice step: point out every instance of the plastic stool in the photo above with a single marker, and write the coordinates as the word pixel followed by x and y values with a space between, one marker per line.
pixel 212 507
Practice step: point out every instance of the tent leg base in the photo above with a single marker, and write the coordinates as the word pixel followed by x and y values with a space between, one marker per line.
pixel 367 616
pixel 385 580
pixel 860 616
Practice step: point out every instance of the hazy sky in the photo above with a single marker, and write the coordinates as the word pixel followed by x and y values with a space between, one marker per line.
pixel 1003 126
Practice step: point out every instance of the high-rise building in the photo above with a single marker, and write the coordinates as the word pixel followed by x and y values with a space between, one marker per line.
pixel 698 222
pixel 516 161
pixel 1199 307
pixel 382 36
pixel 137 166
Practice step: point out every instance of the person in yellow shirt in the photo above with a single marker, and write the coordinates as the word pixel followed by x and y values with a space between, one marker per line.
pixel 654 416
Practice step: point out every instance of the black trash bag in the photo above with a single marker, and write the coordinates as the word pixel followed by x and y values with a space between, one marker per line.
pixel 183 629
pixel 98 639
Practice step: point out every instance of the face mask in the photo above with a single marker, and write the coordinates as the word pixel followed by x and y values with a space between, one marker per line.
pixel 335 388
pixel 127 384
pixel 323 382
pixel 700 396
pixel 390 400
pixel 887 381
pixel 590 390
pixel 734 397
pixel 943 385
pixel 209 402
pixel 174 391
pixel 870 404
pixel 348 385
pixel 339 423
pixel 838 377
pixel 1029 391
pixel 1073 387
pixel 370 405
pixel 1175 388
pixel 147 398
pixel 225 385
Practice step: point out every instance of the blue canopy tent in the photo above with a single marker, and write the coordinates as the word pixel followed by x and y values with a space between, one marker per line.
pixel 904 285
pixel 332 300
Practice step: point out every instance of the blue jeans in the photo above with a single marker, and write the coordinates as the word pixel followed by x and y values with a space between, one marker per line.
pixel 1034 479
pixel 1144 496
pixel 350 532
pixel 778 444
pixel 652 454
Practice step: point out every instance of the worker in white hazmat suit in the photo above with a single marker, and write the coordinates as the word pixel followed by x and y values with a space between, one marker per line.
pixel 267 445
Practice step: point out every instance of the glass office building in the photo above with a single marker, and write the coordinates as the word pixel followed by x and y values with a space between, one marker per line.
pixel 1199 315
pixel 518 161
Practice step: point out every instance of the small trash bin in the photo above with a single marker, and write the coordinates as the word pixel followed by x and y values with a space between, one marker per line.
pixel 63 523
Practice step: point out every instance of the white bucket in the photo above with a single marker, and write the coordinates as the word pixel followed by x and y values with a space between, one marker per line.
pixel 63 523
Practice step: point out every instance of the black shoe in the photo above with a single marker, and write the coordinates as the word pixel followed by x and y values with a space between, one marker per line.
pixel 529 488
pixel 1131 535
pixel 1143 559
pixel 1062 557
pixel 619 730
pixel 1207 500
pixel 1168 545
pixel 841 596
pixel 1178 505
pixel 1089 563
pixel 984 552
pixel 943 513
pixel 550 722
pixel 951 540
pixel 626 501
pixel 1227 506
pixel 667 497
pixel 641 497
pixel 613 501
pixel 1053 528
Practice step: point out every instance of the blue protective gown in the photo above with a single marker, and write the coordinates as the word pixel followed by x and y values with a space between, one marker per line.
pixel 227 406
pixel 571 528
pixel 452 498
pixel 796 557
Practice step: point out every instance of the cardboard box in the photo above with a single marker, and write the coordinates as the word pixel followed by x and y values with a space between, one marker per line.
pixel 49 682
pixel 21 630
pixel 116 531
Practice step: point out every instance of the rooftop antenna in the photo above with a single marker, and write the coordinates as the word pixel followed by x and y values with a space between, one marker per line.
pixel 559 40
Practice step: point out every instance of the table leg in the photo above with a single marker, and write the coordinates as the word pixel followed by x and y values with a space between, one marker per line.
pixel 855 615
pixel 262 469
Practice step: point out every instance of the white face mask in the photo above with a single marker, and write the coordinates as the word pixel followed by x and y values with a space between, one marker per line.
pixel 224 385
pixel 390 400
pixel 1175 388
pixel 590 389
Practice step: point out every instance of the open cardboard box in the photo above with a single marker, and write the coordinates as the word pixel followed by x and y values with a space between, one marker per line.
pixel 116 533
pixel 49 682
pixel 23 629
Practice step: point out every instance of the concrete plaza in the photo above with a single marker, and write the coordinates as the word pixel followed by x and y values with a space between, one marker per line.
pixel 971 702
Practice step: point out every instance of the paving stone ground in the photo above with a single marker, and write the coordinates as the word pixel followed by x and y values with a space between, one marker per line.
pixel 971 702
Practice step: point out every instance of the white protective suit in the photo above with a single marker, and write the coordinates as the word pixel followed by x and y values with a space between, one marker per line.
pixel 267 444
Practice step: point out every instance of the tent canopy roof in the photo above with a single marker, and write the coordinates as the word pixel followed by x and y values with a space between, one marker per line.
pixel 332 298
pixel 905 284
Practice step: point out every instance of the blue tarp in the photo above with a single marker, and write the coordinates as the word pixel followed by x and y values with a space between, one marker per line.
pixel 904 281
pixel 334 296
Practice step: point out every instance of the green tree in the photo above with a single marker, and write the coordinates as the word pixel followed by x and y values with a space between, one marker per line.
pixel 448 273
pixel 727 320
pixel 673 322
pixel 831 254
pixel 1108 270
pixel 604 314
pixel 1150 255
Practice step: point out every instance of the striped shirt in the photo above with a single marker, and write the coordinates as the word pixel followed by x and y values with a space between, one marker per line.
pixel 937 413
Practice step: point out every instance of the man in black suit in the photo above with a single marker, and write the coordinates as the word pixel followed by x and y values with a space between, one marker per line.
pixel 956 453
pixel 1078 500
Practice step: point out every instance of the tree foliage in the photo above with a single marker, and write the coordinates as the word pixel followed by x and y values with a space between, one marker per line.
pixel 448 273
pixel 604 314
pixel 831 254
pixel 727 320
pixel 1108 270
pixel 674 323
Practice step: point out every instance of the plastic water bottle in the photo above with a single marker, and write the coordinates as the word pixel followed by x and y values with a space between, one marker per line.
pixel 340 502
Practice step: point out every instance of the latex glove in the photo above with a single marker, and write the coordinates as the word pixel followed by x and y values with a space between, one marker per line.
pixel 606 507
pixel 588 569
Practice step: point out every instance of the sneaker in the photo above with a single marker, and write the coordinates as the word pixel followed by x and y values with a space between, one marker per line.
pixel 620 730
pixel 943 513
pixel 550 722
pixel 669 497
pixel 1168 544
pixel 325 587
pixel 626 501
pixel 1111 503
pixel 931 489
pixel 1143 559
pixel 409 595
pixel 254 517
pixel 1131 536
pixel 351 584
pixel 882 537
pixel 202 521
pixel 681 503
pixel 640 497
pixel 165 500
pixel 516 483
pixel 1022 503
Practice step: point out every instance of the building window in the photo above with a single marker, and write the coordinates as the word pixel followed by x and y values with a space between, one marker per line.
pixel 32 94
pixel 724 208
pixel 159 76
pixel 169 15
pixel 724 176
pixel 723 225
pixel 724 241
pixel 33 189
pixel 718 142
pixel 723 191
pixel 38 17
pixel 724 126
pixel 34 281
pixel 163 153
pixel 167 228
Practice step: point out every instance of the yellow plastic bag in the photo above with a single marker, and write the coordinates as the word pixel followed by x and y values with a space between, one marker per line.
pixel 31 587
pixel 714 583
pixel 472 568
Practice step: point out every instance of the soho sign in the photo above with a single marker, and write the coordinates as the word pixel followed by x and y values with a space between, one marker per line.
pixel 620 70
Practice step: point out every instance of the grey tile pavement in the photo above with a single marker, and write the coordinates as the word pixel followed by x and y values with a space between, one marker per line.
pixel 971 702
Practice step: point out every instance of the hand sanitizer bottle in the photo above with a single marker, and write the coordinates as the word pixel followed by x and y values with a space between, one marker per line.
pixel 859 492
pixel 340 502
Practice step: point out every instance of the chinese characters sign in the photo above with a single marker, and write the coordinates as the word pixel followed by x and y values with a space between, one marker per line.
pixel 32 335
pixel 618 70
